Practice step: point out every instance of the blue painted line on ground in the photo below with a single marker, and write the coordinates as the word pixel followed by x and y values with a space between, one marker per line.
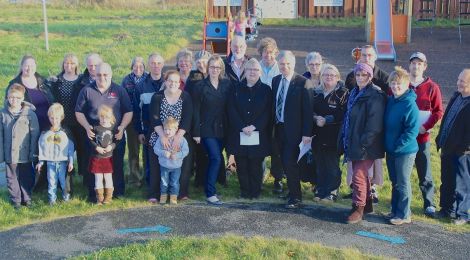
pixel 160 229
pixel 393 240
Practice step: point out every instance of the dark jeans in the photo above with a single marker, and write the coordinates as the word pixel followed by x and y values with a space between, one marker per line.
pixel 187 168
pixel 328 178
pixel 19 182
pixel 277 170
pixel 202 161
pixel 154 174
pixel 250 175
pixel 214 148
pixel 118 168
pixel 462 188
pixel 399 170
pixel 169 181
pixel 80 143
pixel 448 176
pixel 133 154
pixel 423 167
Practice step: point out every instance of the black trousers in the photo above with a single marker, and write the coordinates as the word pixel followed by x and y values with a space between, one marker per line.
pixel 250 175
pixel 328 177
pixel 277 170
pixel 187 168
pixel 154 182
pixel 447 189
pixel 289 152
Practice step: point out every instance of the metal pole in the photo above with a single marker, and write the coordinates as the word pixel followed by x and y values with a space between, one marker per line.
pixel 46 34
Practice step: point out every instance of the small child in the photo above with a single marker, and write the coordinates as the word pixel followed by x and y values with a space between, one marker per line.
pixel 56 148
pixel 240 24
pixel 19 134
pixel 101 161
pixel 170 162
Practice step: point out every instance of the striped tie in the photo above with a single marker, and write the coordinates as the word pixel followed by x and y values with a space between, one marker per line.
pixel 280 100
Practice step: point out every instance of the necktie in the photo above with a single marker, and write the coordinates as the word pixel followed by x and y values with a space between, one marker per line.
pixel 280 100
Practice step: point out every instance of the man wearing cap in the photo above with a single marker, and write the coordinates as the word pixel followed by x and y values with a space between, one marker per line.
pixel 454 141
pixel 380 77
pixel 429 101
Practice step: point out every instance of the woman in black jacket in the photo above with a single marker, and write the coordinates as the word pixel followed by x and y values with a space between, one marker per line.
pixel 210 121
pixel 329 105
pixel 249 110
pixel 362 136
pixel 178 104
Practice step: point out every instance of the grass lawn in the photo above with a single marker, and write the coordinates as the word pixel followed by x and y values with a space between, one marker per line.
pixel 227 247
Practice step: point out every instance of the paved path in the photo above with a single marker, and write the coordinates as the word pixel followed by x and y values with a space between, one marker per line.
pixel 78 235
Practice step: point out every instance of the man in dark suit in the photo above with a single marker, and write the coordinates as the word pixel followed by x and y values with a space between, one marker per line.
pixel 294 121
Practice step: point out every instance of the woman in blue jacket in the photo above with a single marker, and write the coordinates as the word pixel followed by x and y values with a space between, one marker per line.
pixel 402 127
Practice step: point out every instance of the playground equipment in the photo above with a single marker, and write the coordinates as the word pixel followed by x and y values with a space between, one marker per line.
pixel 389 28
pixel 463 13
pixel 217 32
pixel 255 19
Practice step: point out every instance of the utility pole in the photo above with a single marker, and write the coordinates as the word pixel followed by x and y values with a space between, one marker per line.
pixel 46 34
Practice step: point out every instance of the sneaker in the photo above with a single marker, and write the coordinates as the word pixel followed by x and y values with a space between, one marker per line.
pixel 460 221
pixel 430 211
pixel 329 198
pixel 153 200
pixel 17 206
pixel 52 203
pixel 213 200
pixel 400 221
pixel 316 199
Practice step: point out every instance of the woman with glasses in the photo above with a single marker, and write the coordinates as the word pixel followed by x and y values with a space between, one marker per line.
pixel 210 121
pixel 329 105
pixel 314 63
pixel 249 110
pixel 362 137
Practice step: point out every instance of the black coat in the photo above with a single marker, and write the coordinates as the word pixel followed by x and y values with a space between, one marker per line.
pixel 366 120
pixel 332 108
pixel 195 76
pixel 379 79
pixel 43 85
pixel 250 106
pixel 210 108
pixel 76 87
pixel 230 74
pixel 186 113
pixel 298 120
pixel 458 138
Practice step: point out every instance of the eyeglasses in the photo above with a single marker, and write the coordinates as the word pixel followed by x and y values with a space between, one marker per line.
pixel 329 75
pixel 102 75
pixel 362 75
pixel 314 64
pixel 215 68
pixel 252 69
pixel 14 97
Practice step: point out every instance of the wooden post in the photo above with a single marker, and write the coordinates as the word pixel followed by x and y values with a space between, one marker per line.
pixel 409 13
pixel 368 19
pixel 46 33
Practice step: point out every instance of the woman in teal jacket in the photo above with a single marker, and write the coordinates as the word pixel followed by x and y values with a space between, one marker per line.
pixel 401 129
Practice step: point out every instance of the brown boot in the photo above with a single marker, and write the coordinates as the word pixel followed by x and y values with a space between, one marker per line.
pixel 173 199
pixel 99 196
pixel 108 195
pixel 369 207
pixel 163 199
pixel 356 215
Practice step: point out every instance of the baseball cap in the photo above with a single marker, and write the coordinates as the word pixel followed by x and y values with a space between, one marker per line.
pixel 418 55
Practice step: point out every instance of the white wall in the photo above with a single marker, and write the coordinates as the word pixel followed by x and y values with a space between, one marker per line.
pixel 278 8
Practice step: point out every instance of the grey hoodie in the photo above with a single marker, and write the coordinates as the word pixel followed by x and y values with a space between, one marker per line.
pixel 19 136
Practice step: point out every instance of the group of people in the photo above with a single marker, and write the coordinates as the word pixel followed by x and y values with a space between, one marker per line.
pixel 185 118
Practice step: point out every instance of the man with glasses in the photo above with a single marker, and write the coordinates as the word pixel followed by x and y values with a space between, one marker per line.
pixel 105 92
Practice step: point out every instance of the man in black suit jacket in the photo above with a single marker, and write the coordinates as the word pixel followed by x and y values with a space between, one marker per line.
pixel 294 121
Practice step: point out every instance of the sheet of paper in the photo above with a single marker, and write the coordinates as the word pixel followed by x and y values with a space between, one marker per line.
pixel 423 117
pixel 304 148
pixel 252 139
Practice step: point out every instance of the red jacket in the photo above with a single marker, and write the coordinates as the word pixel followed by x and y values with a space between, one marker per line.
pixel 429 99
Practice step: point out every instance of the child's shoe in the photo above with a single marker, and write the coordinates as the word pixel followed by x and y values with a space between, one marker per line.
pixel 108 195
pixel 99 196
pixel 173 199
pixel 163 199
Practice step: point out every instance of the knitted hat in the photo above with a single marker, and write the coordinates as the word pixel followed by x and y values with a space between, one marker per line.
pixel 364 67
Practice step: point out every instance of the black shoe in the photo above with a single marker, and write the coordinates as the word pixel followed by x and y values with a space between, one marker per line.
pixel 293 204
pixel 446 214
pixel 277 187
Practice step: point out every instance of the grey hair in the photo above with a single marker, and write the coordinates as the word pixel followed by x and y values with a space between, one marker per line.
pixel 156 55
pixel 93 55
pixel 137 59
pixel 202 54
pixel 253 63
pixel 287 55
pixel 312 56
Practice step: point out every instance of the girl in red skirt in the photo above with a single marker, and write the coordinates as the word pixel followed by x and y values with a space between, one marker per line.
pixel 101 161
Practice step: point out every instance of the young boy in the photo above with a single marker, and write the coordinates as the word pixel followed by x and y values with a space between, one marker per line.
pixel 19 132
pixel 56 148
pixel 170 162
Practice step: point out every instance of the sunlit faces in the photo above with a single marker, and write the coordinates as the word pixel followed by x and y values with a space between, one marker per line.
pixel 138 68
pixel 15 99
pixel 238 48
pixel 214 69
pixel 173 83
pixel 368 56
pixel 156 64
pixel 314 66
pixel 269 56
pixel 92 63
pixel 169 131
pixel 184 64
pixel 329 77
pixel 362 78
pixel 201 65
pixel 417 67
pixel 55 120
pixel 106 119
pixel 252 74
pixel 70 66
pixel 286 66
pixel 104 75
pixel 28 68
pixel 398 88
pixel 463 83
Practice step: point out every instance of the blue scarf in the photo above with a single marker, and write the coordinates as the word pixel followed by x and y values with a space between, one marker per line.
pixel 355 94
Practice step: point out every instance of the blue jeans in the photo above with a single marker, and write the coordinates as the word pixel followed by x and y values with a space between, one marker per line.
pixel 462 186
pixel 56 172
pixel 423 167
pixel 169 181
pixel 399 169
pixel 214 148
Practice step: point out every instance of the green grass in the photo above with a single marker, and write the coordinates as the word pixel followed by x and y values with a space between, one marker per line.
pixel 117 34
pixel 227 247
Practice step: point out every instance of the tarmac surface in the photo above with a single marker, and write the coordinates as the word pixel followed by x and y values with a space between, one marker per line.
pixel 78 235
